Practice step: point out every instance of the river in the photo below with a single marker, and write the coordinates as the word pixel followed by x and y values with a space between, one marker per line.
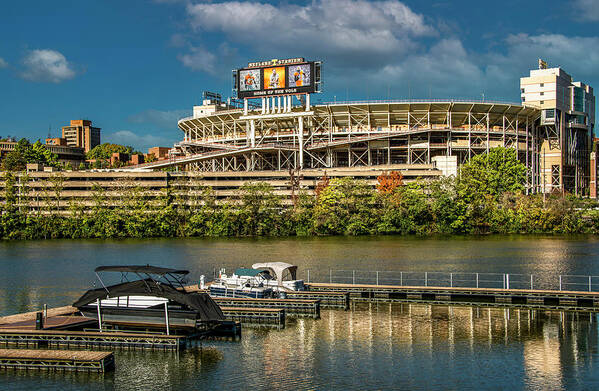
pixel 372 346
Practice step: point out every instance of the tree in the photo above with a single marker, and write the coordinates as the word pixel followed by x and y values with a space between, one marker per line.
pixel 259 211
pixel 345 206
pixel 105 151
pixel 43 155
pixel 25 153
pixel 493 174
pixel 14 161
pixel 81 166
pixel 322 184
pixel 24 148
pixel 388 182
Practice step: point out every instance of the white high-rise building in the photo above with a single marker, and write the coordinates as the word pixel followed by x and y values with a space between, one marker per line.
pixel 567 123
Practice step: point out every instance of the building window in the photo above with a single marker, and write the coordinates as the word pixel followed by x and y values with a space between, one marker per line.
pixel 523 99
pixel 542 93
pixel 542 84
pixel 522 90
pixel 542 102
pixel 550 113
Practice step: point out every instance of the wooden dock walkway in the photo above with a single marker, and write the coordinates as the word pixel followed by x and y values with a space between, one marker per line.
pixel 53 323
pixel 541 299
pixel 96 339
pixel 292 307
pixel 56 360
pixel 30 316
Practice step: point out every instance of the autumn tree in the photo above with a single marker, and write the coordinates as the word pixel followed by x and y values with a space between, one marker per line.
pixel 388 182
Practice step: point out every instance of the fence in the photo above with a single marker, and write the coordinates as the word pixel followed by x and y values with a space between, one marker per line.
pixel 458 280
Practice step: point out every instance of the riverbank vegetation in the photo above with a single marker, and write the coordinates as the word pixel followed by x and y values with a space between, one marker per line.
pixel 487 197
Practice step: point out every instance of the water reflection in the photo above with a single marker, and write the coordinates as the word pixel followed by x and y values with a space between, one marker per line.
pixel 373 346
pixel 57 272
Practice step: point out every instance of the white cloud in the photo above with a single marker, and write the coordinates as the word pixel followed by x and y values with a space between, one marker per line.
pixel 588 10
pixel 447 69
pixel 383 45
pixel 446 62
pixel 3 64
pixel 46 66
pixel 162 119
pixel 199 60
pixel 345 31
pixel 177 40
pixel 138 141
pixel 574 54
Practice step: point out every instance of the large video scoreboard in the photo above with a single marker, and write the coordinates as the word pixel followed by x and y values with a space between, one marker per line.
pixel 277 77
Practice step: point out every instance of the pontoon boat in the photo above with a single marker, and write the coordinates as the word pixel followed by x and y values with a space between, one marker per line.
pixel 155 299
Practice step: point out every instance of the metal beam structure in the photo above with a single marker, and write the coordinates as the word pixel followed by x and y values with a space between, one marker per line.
pixel 356 134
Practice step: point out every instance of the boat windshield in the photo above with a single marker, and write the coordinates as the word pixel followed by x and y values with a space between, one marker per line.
pixel 262 273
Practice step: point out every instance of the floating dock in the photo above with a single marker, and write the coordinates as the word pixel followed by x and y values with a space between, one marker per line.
pixel 328 299
pixel 292 307
pixel 92 339
pixel 56 360
pixel 256 316
pixel 528 298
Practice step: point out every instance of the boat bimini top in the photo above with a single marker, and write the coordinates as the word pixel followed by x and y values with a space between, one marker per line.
pixel 156 282
pixel 280 270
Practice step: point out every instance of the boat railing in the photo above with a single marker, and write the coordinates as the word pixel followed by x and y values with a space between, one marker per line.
pixel 540 281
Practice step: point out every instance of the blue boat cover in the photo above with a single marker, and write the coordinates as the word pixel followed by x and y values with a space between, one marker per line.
pixel 248 272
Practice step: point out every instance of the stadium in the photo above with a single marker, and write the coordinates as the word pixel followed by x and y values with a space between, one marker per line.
pixel 383 134
pixel 285 133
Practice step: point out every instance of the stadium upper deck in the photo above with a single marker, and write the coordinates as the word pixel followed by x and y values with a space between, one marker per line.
pixel 354 134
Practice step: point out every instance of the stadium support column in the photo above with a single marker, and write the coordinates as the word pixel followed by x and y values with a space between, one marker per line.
pixel 307 102
pixel 252 133
pixel 263 105
pixel 300 141
pixel 245 106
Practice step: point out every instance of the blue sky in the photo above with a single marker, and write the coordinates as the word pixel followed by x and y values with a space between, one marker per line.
pixel 134 67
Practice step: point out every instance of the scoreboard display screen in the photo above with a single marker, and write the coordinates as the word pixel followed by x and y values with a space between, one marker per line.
pixel 271 78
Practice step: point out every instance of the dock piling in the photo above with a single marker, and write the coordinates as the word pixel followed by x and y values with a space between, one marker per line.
pixel 99 315
pixel 168 331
